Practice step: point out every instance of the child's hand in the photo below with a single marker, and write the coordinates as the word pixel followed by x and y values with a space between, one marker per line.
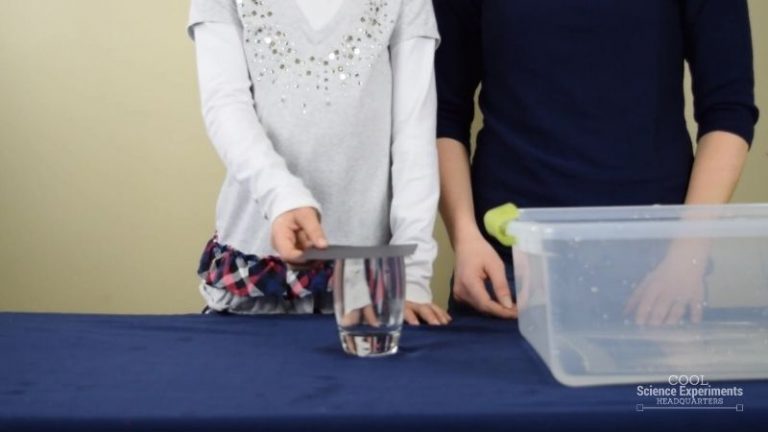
pixel 427 312
pixel 295 231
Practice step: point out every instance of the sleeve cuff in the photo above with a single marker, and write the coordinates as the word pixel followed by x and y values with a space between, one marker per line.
pixel 417 19
pixel 426 35
pixel 737 121
pixel 417 292
pixel 211 11
pixel 460 134
pixel 286 199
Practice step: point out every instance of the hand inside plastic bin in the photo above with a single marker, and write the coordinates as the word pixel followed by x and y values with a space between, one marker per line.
pixel 674 288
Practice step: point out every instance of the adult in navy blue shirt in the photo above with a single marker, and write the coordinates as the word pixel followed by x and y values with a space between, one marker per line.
pixel 583 105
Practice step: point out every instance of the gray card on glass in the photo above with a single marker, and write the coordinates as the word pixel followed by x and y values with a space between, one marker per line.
pixel 333 253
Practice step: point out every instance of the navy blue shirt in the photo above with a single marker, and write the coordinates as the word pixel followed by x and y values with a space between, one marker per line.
pixel 583 99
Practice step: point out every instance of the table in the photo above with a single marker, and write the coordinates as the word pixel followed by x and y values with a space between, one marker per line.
pixel 209 372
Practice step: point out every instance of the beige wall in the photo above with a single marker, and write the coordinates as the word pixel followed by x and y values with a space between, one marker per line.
pixel 107 182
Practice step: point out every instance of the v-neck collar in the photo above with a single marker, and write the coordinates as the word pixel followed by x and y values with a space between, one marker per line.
pixel 318 35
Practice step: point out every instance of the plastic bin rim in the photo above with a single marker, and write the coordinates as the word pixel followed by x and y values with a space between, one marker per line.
pixel 569 215
pixel 670 221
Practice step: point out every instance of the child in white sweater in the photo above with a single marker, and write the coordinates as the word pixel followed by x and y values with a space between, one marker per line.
pixel 322 110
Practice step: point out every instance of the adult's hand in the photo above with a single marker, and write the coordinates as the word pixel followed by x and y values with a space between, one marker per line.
pixel 476 260
pixel 295 231
pixel 476 263
pixel 674 289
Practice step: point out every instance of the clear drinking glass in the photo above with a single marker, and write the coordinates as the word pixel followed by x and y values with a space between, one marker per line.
pixel 369 296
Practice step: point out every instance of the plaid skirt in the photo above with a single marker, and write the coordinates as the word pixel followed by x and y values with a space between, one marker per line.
pixel 233 281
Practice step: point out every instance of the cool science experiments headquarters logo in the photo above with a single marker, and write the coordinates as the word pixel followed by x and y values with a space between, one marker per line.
pixel 689 392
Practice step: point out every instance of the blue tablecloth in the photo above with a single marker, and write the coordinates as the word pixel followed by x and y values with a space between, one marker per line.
pixel 203 372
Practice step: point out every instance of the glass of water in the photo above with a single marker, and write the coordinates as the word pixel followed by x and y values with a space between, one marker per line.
pixel 369 296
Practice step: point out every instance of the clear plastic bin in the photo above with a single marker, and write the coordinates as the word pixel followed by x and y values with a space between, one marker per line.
pixel 636 294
